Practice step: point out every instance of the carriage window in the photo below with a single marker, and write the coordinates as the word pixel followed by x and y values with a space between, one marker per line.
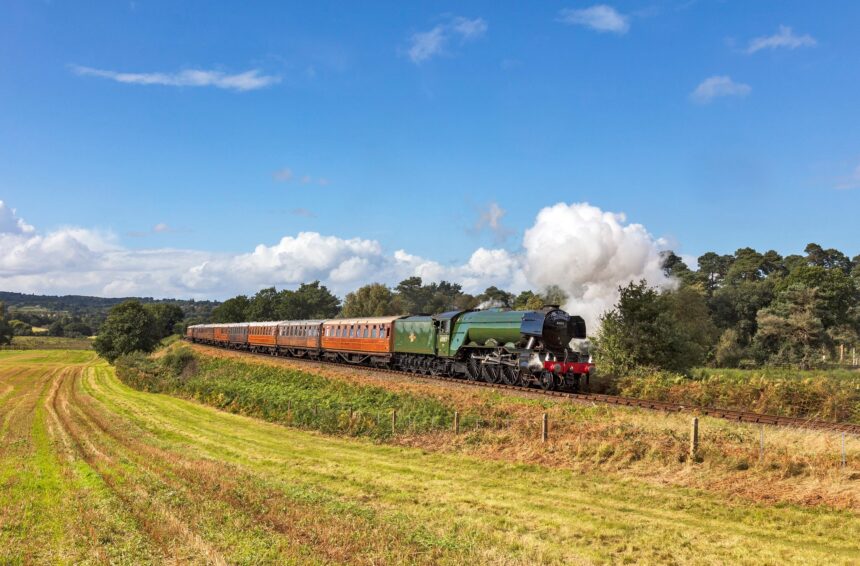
pixel 365 332
pixel 382 332
pixel 351 331
pixel 373 332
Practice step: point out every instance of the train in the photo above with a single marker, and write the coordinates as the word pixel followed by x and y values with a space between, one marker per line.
pixel 524 348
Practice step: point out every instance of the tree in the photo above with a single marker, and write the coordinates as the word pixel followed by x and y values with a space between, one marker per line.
pixel 56 328
pixel 418 298
pixel 264 305
pixel 729 351
pixel 5 327
pixel 309 301
pixel 789 331
pixel 232 310
pixel 374 299
pixel 495 297
pixel 713 269
pixel 522 301
pixel 646 328
pixel 21 328
pixel 166 317
pixel 128 328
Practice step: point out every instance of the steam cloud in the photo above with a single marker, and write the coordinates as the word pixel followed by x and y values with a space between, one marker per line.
pixel 589 253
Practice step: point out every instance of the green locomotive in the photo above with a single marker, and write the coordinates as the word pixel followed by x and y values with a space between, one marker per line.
pixel 495 345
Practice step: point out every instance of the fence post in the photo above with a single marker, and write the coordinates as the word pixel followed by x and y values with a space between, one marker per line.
pixel 456 422
pixel 694 438
pixel 393 420
pixel 544 429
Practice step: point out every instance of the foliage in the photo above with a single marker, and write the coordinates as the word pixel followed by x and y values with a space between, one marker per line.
pixel 129 328
pixel 166 317
pixel 374 299
pixel 669 331
pixel 812 395
pixel 281 394
pixel 6 330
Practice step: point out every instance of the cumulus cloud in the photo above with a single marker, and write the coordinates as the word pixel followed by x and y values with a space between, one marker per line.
pixel 10 223
pixel 578 247
pixel 599 17
pixel 249 80
pixel 717 86
pixel 785 38
pixel 428 44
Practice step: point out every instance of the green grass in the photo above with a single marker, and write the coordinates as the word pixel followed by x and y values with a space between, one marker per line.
pixel 135 477
pixel 298 398
pixel 49 343
pixel 832 395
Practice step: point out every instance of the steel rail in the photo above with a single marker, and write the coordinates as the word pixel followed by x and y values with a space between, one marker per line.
pixel 727 414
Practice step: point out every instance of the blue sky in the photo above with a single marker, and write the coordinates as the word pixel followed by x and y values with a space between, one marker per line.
pixel 436 128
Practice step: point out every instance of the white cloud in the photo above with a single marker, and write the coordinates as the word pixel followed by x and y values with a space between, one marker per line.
pixel 427 44
pixel 582 249
pixel 303 212
pixel 784 38
pixel 161 227
pixel 249 80
pixel 717 86
pixel 599 17
pixel 10 223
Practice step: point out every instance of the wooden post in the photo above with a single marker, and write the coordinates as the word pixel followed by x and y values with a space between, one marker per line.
pixel 694 438
pixel 841 353
pixel 544 429
pixel 456 422
pixel 393 420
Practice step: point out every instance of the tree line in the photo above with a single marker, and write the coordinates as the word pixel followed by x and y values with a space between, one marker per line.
pixel 746 308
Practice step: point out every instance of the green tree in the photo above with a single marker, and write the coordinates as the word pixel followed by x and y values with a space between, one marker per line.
pixel 309 301
pixel 374 299
pixel 729 351
pixel 790 330
pixel 647 328
pixel 6 331
pixel 166 317
pixel 232 310
pixel 495 297
pixel 21 328
pixel 521 303
pixel 128 328
pixel 56 328
pixel 264 305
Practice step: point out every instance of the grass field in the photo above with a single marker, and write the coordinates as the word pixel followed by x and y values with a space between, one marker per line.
pixel 93 471
pixel 50 343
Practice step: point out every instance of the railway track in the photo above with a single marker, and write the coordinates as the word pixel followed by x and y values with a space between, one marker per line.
pixel 727 414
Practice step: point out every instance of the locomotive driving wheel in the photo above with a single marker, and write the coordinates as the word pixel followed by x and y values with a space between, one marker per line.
pixel 473 370
pixel 547 380
pixel 490 372
pixel 510 375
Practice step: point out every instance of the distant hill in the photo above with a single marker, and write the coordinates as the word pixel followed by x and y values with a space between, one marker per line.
pixel 41 310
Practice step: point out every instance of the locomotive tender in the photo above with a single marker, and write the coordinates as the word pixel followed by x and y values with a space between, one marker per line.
pixel 495 345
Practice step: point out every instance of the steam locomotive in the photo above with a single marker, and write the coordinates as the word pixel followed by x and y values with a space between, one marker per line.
pixel 527 348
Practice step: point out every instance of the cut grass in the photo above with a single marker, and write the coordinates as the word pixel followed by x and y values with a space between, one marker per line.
pixel 49 343
pixel 155 478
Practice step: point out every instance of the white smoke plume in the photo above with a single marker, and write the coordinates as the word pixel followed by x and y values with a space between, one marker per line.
pixel 589 253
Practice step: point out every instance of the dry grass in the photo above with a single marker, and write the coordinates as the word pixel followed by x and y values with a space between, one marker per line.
pixel 797 466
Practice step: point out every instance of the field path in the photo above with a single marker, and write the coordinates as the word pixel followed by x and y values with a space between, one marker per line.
pixel 93 471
